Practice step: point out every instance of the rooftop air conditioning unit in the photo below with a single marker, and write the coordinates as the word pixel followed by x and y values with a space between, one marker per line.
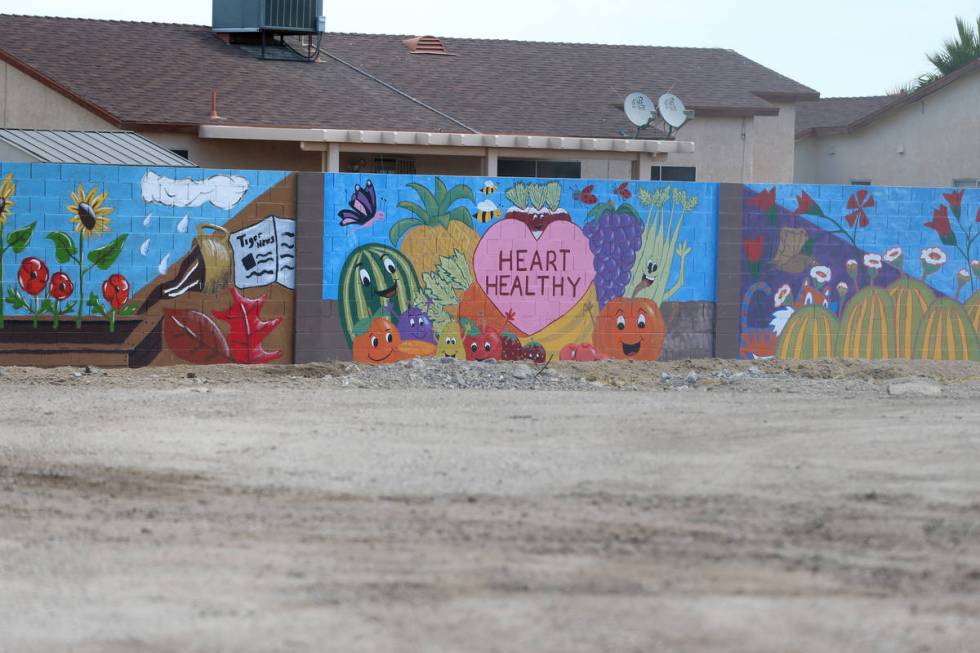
pixel 274 16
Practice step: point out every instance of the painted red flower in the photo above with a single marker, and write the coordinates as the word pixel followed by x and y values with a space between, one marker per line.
pixel 33 276
pixel 955 200
pixel 753 249
pixel 859 203
pixel 978 215
pixel 806 205
pixel 764 201
pixel 116 291
pixel 61 286
pixel 940 223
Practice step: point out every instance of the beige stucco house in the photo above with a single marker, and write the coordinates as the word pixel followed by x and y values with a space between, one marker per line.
pixel 927 138
pixel 379 103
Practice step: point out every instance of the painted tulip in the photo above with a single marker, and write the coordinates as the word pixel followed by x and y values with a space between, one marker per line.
pixel 61 286
pixel 955 200
pixel 116 291
pixel 33 276
pixel 941 225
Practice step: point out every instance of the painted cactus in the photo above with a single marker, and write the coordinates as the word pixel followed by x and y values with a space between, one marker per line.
pixel 973 311
pixel 868 326
pixel 947 334
pixel 375 279
pixel 912 299
pixel 810 334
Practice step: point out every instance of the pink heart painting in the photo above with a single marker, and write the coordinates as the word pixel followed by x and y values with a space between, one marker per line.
pixel 538 280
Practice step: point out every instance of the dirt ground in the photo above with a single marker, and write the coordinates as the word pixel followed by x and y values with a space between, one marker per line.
pixel 772 508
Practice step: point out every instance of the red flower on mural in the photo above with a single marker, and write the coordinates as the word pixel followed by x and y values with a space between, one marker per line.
pixel 33 276
pixel 753 249
pixel 955 200
pixel 978 215
pixel 858 204
pixel 806 205
pixel 61 286
pixel 116 291
pixel 940 224
pixel 764 201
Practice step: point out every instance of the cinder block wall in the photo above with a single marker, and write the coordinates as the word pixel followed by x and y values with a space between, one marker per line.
pixel 190 266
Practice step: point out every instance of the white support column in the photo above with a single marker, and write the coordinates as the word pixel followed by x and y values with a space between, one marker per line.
pixel 490 162
pixel 333 157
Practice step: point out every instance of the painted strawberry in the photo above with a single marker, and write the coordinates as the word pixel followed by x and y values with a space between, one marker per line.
pixel 512 348
pixel 534 352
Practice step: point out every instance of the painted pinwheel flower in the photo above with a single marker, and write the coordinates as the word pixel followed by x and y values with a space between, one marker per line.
pixel 90 212
pixel 858 205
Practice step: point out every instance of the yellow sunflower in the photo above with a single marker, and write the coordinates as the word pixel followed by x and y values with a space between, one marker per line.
pixel 90 212
pixel 7 190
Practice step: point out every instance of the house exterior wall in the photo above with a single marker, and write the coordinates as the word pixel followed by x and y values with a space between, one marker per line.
pixel 25 103
pixel 773 152
pixel 940 136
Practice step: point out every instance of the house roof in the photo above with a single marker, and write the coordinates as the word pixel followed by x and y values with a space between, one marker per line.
pixel 152 75
pixel 92 147
pixel 845 115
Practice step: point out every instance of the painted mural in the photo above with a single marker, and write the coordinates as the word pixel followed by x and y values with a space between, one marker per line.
pixel 124 266
pixel 872 273
pixel 511 269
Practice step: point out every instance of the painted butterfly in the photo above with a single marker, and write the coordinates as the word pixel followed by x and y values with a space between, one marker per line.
pixel 585 196
pixel 623 191
pixel 363 208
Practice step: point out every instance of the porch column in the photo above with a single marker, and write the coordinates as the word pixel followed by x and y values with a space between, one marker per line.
pixel 490 162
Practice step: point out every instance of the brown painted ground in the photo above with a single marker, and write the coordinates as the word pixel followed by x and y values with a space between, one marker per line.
pixel 802 508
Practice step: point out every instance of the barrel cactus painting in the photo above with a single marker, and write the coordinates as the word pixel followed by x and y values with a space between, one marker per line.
pixel 375 279
pixel 973 311
pixel 811 333
pixel 947 334
pixel 868 326
pixel 912 299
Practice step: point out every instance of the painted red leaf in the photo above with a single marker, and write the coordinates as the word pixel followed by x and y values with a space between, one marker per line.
pixel 247 329
pixel 194 337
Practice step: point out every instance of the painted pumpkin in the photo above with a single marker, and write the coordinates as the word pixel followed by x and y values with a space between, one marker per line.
pixel 912 299
pixel 811 333
pixel 946 334
pixel 630 329
pixel 381 344
pixel 374 277
pixel 868 326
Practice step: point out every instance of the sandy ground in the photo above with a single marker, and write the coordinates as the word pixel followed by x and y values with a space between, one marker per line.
pixel 796 508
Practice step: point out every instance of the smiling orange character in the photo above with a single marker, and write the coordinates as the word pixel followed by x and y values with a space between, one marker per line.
pixel 381 344
pixel 630 329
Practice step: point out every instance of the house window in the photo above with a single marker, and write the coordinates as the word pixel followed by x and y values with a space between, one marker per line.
pixel 539 168
pixel 673 173
pixel 184 154
pixel 860 182
pixel 389 165
pixel 966 183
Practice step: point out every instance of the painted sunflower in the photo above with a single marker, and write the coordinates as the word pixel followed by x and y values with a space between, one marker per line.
pixel 89 211
pixel 7 190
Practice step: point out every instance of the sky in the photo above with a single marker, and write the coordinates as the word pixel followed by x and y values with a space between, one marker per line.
pixel 838 47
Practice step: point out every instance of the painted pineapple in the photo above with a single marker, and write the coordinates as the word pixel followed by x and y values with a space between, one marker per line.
pixel 375 280
pixel 437 228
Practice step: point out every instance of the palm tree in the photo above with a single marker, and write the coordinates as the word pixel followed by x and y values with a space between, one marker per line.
pixel 956 53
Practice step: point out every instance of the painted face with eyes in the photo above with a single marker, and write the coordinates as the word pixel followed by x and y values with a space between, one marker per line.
pixel 414 324
pixel 630 329
pixel 450 343
pixel 379 345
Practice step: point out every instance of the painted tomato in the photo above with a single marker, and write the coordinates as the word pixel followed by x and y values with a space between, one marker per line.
pixel 583 353
pixel 115 289
pixel 61 286
pixel 630 329
pixel 33 276
pixel 484 346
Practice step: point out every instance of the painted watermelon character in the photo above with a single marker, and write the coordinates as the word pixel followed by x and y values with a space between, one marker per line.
pixel 414 324
pixel 375 279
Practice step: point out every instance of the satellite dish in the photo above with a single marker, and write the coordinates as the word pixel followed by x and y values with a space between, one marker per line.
pixel 672 110
pixel 640 109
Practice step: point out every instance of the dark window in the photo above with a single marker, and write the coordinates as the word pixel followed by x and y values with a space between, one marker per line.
pixel 543 168
pixel 387 165
pixel 182 153
pixel 673 173
pixel 860 182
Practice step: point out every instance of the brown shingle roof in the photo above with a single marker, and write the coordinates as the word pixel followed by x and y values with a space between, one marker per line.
pixel 138 74
pixel 836 112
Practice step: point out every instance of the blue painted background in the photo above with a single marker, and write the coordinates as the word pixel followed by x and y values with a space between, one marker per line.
pixel 44 192
pixel 700 227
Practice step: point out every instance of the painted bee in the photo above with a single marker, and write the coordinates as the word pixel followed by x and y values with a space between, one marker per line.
pixel 489 188
pixel 487 211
